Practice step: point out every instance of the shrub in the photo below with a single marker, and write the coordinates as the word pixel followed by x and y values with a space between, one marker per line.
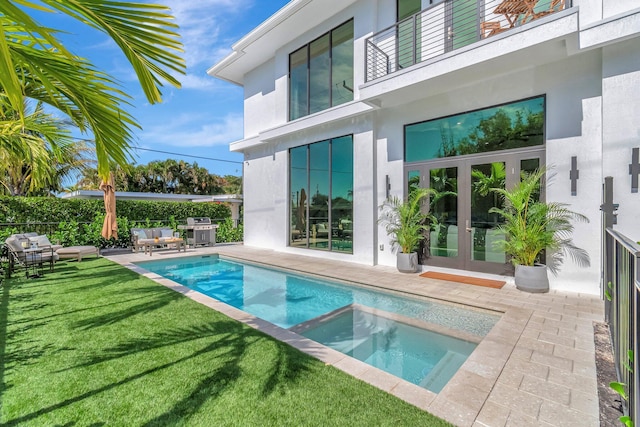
pixel 79 221
pixel 227 233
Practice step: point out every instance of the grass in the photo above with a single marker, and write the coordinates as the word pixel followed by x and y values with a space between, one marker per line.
pixel 95 344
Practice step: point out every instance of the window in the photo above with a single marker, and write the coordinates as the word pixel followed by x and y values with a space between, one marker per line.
pixel 515 125
pixel 321 73
pixel 407 8
pixel 321 195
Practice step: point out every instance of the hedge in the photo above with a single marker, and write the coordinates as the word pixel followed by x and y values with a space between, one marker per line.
pixel 79 221
pixel 51 209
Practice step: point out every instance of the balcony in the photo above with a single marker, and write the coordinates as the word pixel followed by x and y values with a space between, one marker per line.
pixel 447 26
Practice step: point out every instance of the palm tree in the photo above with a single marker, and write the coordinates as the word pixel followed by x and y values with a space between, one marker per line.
pixel 34 64
pixel 37 153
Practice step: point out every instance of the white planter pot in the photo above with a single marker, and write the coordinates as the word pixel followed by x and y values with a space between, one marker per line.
pixel 407 263
pixel 532 279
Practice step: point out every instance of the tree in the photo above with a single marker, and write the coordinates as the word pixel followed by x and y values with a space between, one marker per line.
pixel 166 176
pixel 34 64
pixel 40 154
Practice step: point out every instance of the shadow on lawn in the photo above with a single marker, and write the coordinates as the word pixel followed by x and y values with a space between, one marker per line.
pixel 225 344
pixel 153 301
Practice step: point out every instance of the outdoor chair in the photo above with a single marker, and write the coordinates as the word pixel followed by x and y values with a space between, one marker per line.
pixel 490 28
pixel 555 6
pixel 27 254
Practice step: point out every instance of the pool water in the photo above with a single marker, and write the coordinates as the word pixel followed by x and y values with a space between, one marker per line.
pixel 421 356
pixel 399 334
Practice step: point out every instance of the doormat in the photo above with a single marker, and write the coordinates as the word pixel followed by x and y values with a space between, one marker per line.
pixel 497 284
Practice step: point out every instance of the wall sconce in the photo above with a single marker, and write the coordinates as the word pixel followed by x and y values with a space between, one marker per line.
pixel 387 186
pixel 634 169
pixel 574 174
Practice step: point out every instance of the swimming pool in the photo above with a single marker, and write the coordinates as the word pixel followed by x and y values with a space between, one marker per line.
pixel 421 341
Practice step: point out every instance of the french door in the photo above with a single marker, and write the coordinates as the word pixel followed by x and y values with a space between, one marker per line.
pixel 464 230
pixel 462 23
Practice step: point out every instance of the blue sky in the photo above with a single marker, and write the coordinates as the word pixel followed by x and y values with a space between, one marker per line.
pixel 203 117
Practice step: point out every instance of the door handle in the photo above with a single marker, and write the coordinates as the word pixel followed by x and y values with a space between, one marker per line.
pixel 468 227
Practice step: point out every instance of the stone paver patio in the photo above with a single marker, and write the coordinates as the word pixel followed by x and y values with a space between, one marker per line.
pixel 535 368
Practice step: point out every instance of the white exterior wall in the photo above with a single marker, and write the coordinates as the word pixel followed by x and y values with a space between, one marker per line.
pixel 261 100
pixel 572 128
pixel 621 128
pixel 592 99
pixel 266 192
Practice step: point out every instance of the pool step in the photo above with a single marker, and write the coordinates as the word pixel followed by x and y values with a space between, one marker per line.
pixel 443 371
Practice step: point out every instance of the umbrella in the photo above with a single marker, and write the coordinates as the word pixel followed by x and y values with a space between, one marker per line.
pixel 110 227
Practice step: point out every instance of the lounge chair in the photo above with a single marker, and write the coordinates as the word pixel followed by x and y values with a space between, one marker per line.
pixel 77 252
pixel 28 254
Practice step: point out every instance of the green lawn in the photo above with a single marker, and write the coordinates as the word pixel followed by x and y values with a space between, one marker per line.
pixel 94 344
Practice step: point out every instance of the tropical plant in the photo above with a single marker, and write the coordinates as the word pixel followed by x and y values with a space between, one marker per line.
pixel 35 64
pixel 35 152
pixel 620 388
pixel 165 176
pixel 532 227
pixel 404 221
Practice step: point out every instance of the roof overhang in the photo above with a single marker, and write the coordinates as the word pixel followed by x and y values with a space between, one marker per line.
pixel 261 44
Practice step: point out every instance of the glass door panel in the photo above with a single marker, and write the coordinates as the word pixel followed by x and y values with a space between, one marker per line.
pixel 462 26
pixel 443 206
pixel 483 224
pixel 298 215
pixel 464 232
pixel 319 225
pixel 408 32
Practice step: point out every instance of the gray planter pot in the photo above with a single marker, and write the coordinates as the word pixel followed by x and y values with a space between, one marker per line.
pixel 532 279
pixel 407 263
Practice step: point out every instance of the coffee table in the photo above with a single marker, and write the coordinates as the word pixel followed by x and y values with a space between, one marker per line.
pixel 180 244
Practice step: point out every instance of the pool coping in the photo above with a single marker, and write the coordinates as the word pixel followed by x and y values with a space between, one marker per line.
pixel 463 400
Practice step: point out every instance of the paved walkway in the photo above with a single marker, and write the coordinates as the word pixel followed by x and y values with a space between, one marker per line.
pixel 535 368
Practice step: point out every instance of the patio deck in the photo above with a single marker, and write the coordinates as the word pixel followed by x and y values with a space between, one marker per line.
pixel 535 368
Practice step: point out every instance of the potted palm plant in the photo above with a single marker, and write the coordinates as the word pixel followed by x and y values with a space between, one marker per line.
pixel 406 224
pixel 533 228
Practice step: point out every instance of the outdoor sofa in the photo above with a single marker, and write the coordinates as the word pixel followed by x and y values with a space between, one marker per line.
pixel 157 236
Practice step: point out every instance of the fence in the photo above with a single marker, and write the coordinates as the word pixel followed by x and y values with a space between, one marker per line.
pixel 622 286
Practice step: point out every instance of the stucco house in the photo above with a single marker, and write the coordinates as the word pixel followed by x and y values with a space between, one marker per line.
pixel 349 102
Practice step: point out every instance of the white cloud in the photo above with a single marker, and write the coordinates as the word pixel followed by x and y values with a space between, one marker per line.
pixel 201 24
pixel 194 130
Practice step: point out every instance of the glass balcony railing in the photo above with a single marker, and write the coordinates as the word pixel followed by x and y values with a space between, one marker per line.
pixel 447 26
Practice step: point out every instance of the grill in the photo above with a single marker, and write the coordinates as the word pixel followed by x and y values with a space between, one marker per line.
pixel 200 231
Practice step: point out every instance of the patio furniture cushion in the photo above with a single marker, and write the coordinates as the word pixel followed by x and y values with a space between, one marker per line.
pixel 141 233
pixel 142 236
pixel 43 242
pixel 166 233
pixel 77 252
pixel 17 244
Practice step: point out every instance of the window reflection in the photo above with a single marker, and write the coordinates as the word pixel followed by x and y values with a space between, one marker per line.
pixel 342 64
pixel 321 73
pixel 321 214
pixel 443 206
pixel 515 125
pixel 298 83
pixel 484 223
pixel 299 190
pixel 319 195
pixel 342 195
